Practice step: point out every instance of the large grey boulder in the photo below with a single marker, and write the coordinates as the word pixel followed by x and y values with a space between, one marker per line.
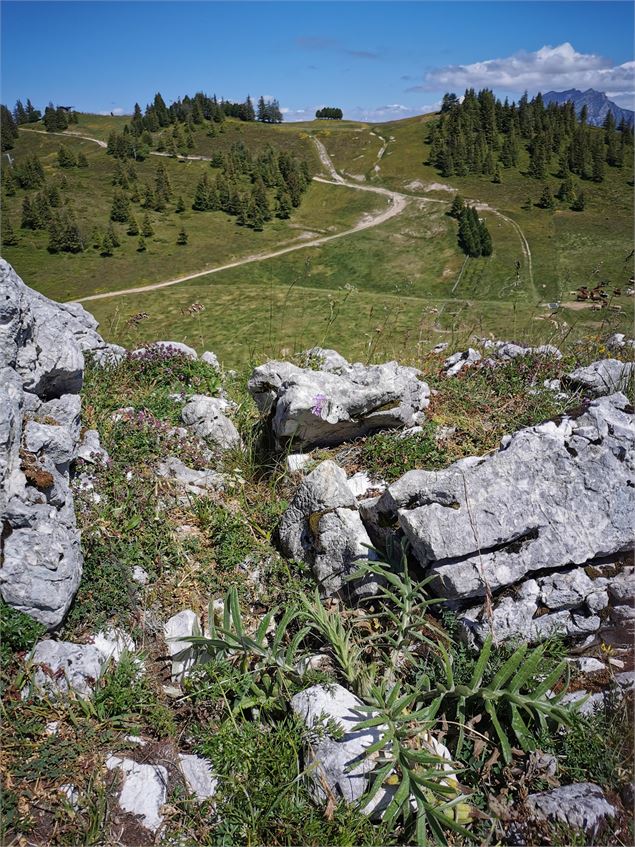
pixel 322 527
pixel 42 346
pixel 582 805
pixel 206 417
pixel 554 495
pixel 334 401
pixel 42 560
pixel 600 378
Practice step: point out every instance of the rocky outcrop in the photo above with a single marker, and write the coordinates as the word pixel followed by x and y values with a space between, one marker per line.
pixel 458 361
pixel 582 805
pixel 333 401
pixel 554 495
pixel 601 378
pixel 322 527
pixel 571 603
pixel 206 416
pixel 42 347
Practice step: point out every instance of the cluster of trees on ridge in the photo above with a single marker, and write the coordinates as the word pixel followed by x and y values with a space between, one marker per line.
pixel 480 135
pixel 251 188
pixel 270 170
pixel 474 237
pixel 329 113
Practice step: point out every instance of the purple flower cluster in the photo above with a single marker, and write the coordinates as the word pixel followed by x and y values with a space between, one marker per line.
pixel 320 405
pixel 152 355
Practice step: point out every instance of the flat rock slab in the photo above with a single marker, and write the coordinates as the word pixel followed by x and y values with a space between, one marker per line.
pixel 198 776
pixel 333 401
pixel 601 378
pixel 582 805
pixel 143 790
pixel 553 495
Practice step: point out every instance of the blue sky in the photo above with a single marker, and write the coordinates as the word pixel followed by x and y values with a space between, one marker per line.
pixel 376 60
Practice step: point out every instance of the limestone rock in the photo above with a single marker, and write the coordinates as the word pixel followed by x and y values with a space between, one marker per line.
pixel 211 359
pixel 42 346
pixel 582 805
pixel 206 417
pixel 143 790
pixel 336 401
pixel 329 761
pixel 198 776
pixel 192 482
pixel 169 348
pixel 601 378
pixel 322 527
pixel 554 495
pixel 458 361
pixel 90 449
pixel 175 631
pixel 61 667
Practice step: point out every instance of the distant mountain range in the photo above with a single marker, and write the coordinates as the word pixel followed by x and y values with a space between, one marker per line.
pixel 596 102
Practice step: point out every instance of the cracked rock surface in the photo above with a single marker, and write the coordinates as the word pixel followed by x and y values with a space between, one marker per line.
pixel 336 401
pixel 554 495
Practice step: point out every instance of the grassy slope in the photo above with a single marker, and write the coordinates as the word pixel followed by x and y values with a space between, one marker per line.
pixel 406 270
pixel 214 238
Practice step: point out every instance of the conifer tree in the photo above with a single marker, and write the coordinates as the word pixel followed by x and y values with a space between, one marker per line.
pixel 485 240
pixel 72 241
pixel 53 196
pixel 133 227
pixel 458 204
pixel 597 153
pixel 202 195
pixel 66 158
pixel 19 113
pixel 9 238
pixel 30 217
pixel 82 161
pixel 9 182
pixel 33 115
pixel 284 205
pixel 112 233
pixel 579 202
pixel 181 238
pixel 180 205
pixel 546 199
pixel 8 129
pixel 146 226
pixel 566 192
pixel 162 187
pixel 107 243
pixel 497 178
pixel 141 244
pixel 55 243
pixel 120 210
pixel 148 198
pixel 260 199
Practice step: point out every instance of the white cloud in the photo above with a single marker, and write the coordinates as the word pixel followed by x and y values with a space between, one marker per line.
pixel 556 68
pixel 389 112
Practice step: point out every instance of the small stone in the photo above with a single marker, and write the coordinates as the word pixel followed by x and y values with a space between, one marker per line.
pixel 178 628
pixel 211 359
pixel 143 791
pixel 298 461
pixel 198 776
pixel 588 664
pixel 139 575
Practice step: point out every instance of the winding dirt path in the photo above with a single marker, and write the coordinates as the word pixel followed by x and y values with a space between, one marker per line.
pixel 397 203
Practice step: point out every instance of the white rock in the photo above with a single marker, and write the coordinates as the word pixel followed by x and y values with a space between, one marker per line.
pixel 175 630
pixel 143 792
pixel 198 776
pixel 139 575
pixel 112 643
pixel 211 359
pixel 361 483
pixel 298 461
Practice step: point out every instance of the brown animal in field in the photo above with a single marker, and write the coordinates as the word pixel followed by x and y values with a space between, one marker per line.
pixel 135 320
pixel 194 309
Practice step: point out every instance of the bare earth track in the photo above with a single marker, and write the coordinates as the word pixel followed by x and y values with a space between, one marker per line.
pixel 397 203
